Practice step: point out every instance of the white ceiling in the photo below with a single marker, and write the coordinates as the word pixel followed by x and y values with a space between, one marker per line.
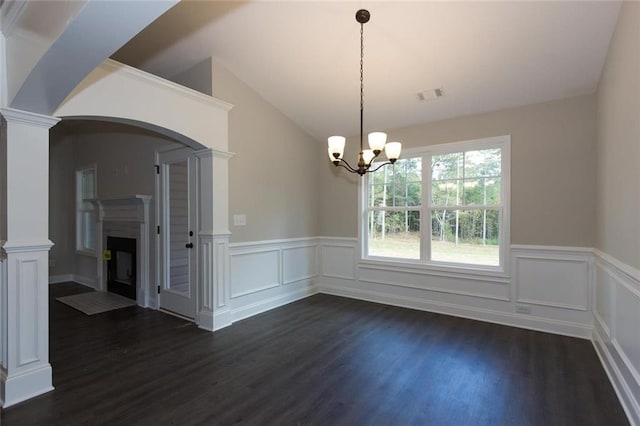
pixel 303 56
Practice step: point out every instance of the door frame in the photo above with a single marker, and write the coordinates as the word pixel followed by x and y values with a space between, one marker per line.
pixel 188 154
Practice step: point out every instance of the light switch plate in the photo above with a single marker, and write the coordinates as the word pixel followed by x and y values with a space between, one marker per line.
pixel 239 219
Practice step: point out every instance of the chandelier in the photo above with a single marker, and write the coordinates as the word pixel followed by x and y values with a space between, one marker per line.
pixel 377 140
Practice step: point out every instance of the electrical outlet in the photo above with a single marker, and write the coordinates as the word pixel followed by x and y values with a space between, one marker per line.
pixel 52 263
pixel 522 309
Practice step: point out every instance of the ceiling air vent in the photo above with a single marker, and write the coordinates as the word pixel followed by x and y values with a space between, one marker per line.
pixel 429 95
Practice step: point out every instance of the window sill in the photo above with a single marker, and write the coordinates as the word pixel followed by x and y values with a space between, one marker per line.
pixel 483 273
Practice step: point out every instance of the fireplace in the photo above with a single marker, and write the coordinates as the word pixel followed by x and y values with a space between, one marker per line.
pixel 121 268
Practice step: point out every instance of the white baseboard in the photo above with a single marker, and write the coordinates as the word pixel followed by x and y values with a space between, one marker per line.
pixel 55 279
pixel 503 318
pixel 625 395
pixel 24 386
pixel 256 308
pixel 86 281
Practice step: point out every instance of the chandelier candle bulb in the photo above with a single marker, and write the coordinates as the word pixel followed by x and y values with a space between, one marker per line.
pixel 377 140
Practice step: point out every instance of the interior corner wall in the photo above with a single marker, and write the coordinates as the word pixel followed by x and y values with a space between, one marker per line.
pixel 553 164
pixel 618 119
pixel 273 176
pixel 199 77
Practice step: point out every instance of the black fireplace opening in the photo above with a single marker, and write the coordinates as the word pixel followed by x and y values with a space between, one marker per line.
pixel 121 269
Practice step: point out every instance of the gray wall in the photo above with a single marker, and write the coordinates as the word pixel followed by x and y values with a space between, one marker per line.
pixel 618 118
pixel 273 177
pixel 553 163
pixel 61 202
pixel 199 77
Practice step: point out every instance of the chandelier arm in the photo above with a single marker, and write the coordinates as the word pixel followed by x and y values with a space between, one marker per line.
pixel 347 166
pixel 380 166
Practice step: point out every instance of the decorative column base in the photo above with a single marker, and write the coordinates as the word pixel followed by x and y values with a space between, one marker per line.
pixel 214 311
pixel 24 287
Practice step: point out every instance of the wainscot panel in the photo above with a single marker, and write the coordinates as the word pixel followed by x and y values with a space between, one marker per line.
pixel 268 274
pixel 616 333
pixel 338 258
pixel 253 271
pixel 552 278
pixel 299 263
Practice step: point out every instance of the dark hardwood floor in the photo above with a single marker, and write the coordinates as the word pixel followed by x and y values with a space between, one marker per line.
pixel 323 360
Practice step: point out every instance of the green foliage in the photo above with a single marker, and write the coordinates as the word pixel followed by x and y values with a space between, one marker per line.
pixel 464 188
pixel 397 185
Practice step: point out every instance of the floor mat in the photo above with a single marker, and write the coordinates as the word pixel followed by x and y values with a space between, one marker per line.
pixel 96 302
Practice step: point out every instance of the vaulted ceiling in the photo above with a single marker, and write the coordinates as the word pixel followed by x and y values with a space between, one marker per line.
pixel 303 56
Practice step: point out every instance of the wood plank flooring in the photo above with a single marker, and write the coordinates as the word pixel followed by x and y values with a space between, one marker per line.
pixel 324 360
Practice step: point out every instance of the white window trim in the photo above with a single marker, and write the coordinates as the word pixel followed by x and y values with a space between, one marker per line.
pixel 429 266
pixel 80 249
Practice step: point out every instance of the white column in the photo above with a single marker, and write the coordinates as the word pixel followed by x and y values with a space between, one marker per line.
pixel 213 310
pixel 24 239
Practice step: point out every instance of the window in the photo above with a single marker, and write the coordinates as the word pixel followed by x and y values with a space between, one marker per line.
pixel 444 205
pixel 86 212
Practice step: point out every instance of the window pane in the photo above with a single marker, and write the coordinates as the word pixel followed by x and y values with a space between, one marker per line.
pixel 88 184
pixel 397 185
pixel 483 163
pixel 481 191
pixel 414 194
pixel 446 166
pixel 89 230
pixel 465 236
pixel 394 234
pixel 445 193
pixel 377 195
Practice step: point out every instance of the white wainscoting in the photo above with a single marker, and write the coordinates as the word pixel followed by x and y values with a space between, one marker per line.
pixel 553 284
pixel 553 277
pixel 616 331
pixel 268 274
